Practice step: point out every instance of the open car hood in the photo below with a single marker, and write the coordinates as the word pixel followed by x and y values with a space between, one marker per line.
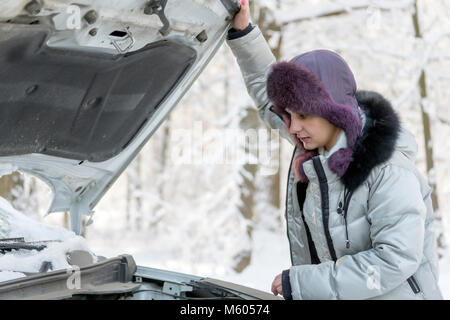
pixel 120 278
pixel 83 87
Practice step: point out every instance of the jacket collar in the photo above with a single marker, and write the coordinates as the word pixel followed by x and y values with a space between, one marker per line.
pixel 378 138
pixel 341 142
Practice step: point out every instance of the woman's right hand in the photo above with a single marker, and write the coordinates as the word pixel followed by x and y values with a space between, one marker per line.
pixel 242 18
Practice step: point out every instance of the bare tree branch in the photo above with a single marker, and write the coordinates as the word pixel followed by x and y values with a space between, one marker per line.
pixel 328 9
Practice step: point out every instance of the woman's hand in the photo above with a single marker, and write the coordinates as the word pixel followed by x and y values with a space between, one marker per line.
pixel 277 286
pixel 242 18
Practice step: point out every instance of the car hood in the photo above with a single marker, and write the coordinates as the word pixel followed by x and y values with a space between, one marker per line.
pixel 83 87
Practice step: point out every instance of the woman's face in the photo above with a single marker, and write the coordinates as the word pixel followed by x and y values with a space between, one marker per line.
pixel 313 131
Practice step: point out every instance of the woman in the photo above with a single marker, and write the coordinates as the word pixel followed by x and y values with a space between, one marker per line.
pixel 358 212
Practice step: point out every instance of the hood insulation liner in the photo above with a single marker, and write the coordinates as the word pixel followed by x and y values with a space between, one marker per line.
pixel 77 104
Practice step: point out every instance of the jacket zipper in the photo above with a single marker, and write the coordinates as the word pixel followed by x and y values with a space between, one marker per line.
pixel 413 284
pixel 323 183
pixel 343 213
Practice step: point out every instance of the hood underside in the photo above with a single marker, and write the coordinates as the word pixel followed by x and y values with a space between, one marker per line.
pixel 80 105
pixel 83 87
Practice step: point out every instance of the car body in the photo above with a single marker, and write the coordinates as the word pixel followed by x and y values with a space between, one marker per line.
pixel 83 87
pixel 119 278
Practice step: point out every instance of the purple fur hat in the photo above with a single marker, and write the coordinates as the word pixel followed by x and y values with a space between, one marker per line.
pixel 320 83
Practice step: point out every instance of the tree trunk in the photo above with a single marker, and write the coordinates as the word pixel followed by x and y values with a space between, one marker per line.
pixel 251 121
pixel 66 220
pixel 247 187
pixel 267 29
pixel 164 147
pixel 160 181
pixel 8 183
pixel 134 188
pixel 428 140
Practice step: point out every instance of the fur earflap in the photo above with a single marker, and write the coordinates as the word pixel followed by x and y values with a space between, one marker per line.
pixel 339 161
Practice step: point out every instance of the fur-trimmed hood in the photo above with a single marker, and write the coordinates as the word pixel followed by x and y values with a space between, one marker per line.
pixel 321 83
pixel 379 138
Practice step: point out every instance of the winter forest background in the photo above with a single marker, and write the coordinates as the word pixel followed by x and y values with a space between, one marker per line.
pixel 226 220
